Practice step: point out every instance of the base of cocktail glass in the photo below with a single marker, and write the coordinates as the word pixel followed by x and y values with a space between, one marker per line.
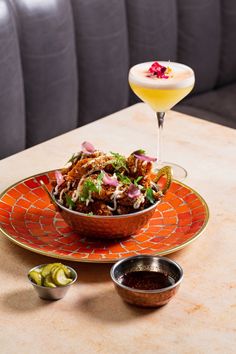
pixel 179 173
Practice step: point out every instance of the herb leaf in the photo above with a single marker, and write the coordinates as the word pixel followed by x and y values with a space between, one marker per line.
pixel 124 179
pixel 139 152
pixel 119 161
pixel 88 188
pixel 137 180
pixel 73 158
pixel 150 195
pixel 69 202
pixel 99 181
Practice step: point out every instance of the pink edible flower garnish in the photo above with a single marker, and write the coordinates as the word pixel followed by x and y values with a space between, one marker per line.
pixel 87 147
pixel 133 191
pixel 59 178
pixel 110 181
pixel 159 70
pixel 145 158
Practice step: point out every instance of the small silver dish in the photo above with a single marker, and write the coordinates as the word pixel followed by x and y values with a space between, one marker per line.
pixel 57 293
pixel 147 263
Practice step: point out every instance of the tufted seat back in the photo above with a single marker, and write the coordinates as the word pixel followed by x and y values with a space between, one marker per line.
pixel 64 63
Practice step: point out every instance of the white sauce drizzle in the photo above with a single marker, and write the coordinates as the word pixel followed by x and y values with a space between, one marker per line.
pixel 63 191
pixel 90 162
pixel 76 192
pixel 114 205
pixel 89 199
pixel 115 195
pixel 75 195
pixel 56 190
pixel 136 165
pixel 61 194
pixel 139 201
pixel 155 186
pixel 96 159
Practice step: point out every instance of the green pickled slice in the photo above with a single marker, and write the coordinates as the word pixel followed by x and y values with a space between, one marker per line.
pixel 51 275
pixel 49 282
pixel 38 270
pixel 66 271
pixel 46 270
pixel 60 277
pixel 36 277
pixel 54 271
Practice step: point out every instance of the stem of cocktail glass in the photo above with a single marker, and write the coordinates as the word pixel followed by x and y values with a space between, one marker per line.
pixel 160 121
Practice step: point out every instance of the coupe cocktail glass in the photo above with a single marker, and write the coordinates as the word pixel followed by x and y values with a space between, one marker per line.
pixel 161 94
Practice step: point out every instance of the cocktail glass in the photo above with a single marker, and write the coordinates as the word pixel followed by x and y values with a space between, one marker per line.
pixel 161 94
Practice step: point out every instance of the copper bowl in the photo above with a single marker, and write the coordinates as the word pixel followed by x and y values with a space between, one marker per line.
pixel 110 227
pixel 146 298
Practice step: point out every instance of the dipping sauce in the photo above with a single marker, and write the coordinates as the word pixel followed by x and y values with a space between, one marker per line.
pixel 146 280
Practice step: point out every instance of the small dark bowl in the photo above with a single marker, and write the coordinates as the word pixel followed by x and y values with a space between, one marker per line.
pixel 146 298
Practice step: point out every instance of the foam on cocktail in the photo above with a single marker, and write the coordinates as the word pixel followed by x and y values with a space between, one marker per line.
pixel 181 76
pixel 161 93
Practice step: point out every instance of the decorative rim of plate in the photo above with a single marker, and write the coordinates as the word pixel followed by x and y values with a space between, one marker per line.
pixel 84 260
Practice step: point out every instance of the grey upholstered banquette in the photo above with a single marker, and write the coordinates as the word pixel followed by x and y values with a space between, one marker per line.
pixel 64 63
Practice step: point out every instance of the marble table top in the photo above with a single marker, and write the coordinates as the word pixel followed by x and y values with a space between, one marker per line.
pixel 92 318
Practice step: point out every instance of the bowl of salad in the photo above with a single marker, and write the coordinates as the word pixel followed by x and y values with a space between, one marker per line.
pixel 108 195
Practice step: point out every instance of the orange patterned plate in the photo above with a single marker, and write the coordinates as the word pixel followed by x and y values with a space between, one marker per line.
pixel 28 219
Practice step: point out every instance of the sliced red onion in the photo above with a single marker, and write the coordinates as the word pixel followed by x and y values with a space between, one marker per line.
pixel 87 147
pixel 110 181
pixel 133 191
pixel 59 178
pixel 145 158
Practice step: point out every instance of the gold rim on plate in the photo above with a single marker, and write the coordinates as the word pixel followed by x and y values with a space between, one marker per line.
pixel 128 245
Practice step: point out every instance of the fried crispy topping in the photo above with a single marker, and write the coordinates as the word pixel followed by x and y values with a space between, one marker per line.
pixel 96 183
